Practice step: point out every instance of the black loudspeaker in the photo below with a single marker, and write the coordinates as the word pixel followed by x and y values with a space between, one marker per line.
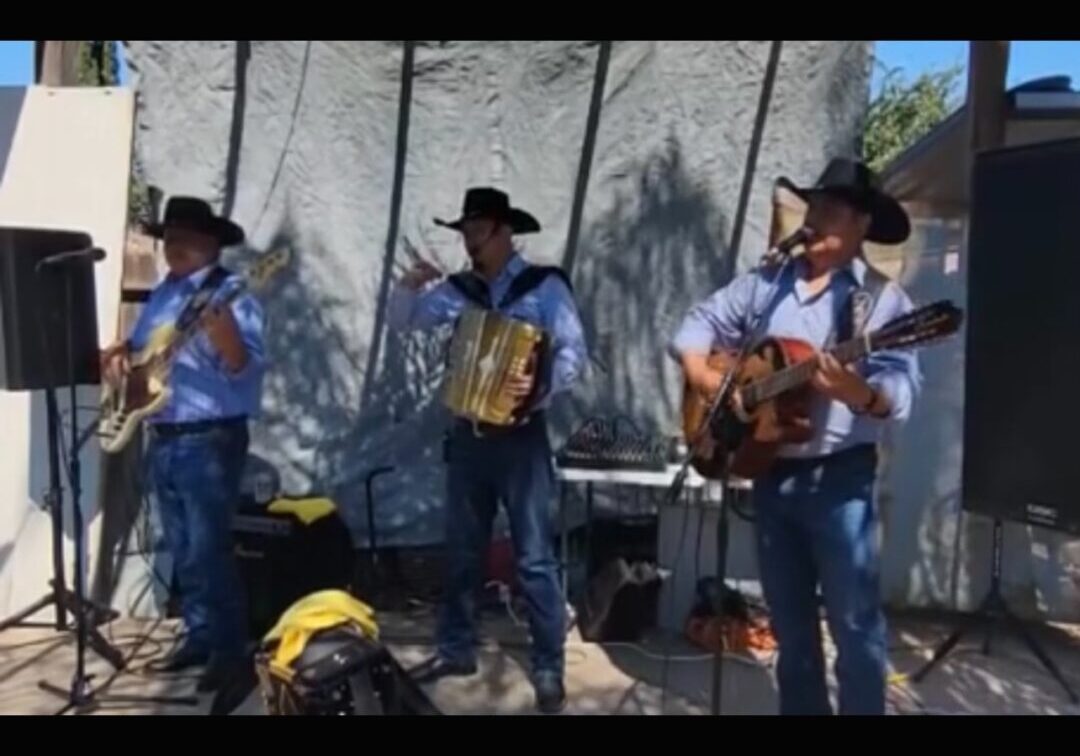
pixel 1023 337
pixel 34 317
pixel 281 559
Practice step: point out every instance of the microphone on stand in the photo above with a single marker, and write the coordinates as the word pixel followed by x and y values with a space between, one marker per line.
pixel 783 248
pixel 96 254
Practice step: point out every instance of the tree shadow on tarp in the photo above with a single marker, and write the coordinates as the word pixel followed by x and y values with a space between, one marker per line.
pixel 658 249
pixel 313 428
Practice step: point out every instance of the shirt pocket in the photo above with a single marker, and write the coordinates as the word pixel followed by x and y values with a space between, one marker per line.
pixel 529 308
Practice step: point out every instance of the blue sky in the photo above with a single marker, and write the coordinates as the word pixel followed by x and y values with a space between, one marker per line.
pixel 1027 60
pixel 17 63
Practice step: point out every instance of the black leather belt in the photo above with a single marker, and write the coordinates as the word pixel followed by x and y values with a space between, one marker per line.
pixel 852 452
pixel 485 430
pixel 172 430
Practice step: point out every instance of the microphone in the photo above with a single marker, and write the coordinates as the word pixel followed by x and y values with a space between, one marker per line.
pixel 801 236
pixel 96 254
pixel 783 248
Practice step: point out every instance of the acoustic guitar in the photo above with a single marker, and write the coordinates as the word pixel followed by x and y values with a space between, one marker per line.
pixel 144 391
pixel 774 387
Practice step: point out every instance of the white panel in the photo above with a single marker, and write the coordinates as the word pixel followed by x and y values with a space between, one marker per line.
pixel 67 168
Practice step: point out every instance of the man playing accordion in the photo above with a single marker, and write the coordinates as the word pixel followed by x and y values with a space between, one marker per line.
pixel 490 462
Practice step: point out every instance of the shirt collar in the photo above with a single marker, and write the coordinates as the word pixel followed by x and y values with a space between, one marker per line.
pixel 195 279
pixel 854 270
pixel 857 269
pixel 514 265
pixel 854 273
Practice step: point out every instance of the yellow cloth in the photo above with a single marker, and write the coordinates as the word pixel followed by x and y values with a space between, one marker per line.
pixel 308 510
pixel 312 614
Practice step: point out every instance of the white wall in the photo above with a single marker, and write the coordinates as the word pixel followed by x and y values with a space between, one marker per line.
pixel 67 168
pixel 935 553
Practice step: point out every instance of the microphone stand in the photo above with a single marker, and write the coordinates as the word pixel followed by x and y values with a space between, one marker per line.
pixel 81 696
pixel 716 412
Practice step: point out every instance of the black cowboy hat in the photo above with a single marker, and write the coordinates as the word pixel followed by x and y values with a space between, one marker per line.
pixel 196 215
pixel 485 202
pixel 857 185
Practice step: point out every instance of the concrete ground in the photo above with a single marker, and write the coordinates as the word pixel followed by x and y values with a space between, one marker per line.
pixel 611 679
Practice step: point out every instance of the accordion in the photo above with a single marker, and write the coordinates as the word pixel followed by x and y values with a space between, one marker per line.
pixel 487 348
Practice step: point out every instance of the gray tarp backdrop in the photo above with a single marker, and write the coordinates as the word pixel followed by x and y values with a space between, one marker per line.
pixel 307 144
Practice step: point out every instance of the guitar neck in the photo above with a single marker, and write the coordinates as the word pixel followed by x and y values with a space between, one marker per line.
pixel 183 336
pixel 797 375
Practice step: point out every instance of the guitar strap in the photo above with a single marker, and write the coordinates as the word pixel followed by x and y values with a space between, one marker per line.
pixel 473 288
pixel 199 301
pixel 860 304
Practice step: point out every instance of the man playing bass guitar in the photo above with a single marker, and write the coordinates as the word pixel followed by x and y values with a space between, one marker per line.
pixel 816 524
pixel 199 439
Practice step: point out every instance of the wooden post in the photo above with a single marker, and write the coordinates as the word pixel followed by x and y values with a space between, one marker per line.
pixel 988 63
pixel 58 63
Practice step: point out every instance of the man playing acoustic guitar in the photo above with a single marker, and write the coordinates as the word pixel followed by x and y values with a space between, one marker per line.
pixel 199 440
pixel 815 515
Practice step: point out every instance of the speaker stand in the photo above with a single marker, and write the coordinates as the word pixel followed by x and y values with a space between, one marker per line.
pixel 60 598
pixel 65 603
pixel 378 588
pixel 992 612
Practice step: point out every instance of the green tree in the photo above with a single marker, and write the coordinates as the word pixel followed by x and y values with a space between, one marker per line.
pixel 905 111
pixel 97 64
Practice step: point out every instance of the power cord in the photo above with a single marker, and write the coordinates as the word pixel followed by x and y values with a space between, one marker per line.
pixel 672 574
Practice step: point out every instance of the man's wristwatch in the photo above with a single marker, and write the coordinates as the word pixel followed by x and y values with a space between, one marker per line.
pixel 867 407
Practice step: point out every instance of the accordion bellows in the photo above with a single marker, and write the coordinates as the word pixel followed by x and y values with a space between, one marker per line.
pixel 486 348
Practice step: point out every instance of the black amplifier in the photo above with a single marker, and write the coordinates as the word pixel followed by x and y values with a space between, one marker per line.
pixel 281 559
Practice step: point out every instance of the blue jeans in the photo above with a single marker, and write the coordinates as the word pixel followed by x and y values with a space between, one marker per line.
pixel 816 525
pixel 197 481
pixel 512 467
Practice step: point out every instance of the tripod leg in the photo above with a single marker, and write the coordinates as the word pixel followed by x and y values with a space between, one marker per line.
pixel 118 701
pixel 941 652
pixel 95 700
pixel 1043 657
pixel 29 611
pixel 987 638
pixel 95 613
pixel 104 649
pixel 56 690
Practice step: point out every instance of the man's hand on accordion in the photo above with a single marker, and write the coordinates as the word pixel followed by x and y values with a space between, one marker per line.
pixel 519 383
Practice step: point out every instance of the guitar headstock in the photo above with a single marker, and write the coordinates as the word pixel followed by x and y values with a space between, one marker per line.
pixel 266 266
pixel 930 323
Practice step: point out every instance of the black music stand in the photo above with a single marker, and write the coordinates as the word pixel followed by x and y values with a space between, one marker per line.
pixel 80 696
pixel 994 611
